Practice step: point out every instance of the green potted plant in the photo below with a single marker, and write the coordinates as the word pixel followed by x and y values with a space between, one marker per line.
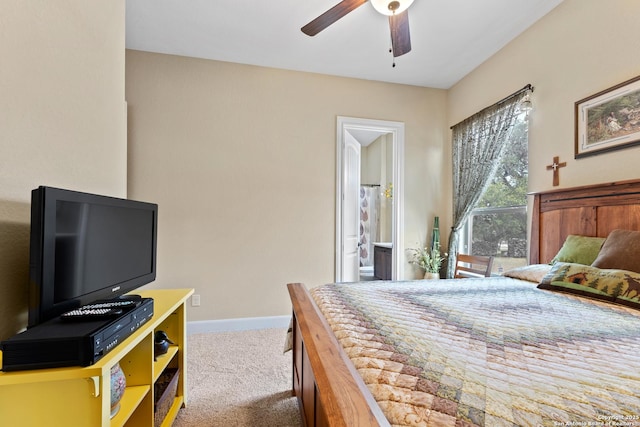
pixel 428 260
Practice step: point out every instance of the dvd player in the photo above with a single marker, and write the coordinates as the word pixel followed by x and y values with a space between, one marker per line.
pixel 57 343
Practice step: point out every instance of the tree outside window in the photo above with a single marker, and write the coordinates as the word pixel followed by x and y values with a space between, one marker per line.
pixel 498 224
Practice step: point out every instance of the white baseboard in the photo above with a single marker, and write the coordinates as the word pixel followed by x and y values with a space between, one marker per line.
pixel 243 324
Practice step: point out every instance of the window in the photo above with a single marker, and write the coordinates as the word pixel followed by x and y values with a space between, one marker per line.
pixel 497 225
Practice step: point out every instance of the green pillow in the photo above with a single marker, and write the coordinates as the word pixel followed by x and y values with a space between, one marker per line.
pixel 579 250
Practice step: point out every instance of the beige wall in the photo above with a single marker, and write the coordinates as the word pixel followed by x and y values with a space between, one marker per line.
pixel 241 161
pixel 62 119
pixel 579 49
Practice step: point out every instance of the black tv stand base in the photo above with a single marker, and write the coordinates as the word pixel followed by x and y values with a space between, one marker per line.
pixel 127 297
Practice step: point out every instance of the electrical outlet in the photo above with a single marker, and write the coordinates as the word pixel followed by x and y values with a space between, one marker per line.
pixel 195 300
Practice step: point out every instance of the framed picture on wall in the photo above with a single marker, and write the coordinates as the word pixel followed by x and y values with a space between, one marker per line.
pixel 608 120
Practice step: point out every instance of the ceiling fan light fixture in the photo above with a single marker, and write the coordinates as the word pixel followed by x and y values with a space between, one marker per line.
pixel 391 7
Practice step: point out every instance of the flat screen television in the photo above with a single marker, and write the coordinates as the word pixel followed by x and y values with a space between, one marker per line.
pixel 87 247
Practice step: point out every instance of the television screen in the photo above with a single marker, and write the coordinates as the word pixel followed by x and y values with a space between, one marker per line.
pixel 86 247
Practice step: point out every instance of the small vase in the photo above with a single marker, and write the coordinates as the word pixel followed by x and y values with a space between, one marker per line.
pixel 431 276
pixel 118 384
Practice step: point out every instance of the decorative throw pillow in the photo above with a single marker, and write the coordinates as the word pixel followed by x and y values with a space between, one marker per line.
pixel 608 284
pixel 621 251
pixel 631 295
pixel 579 249
pixel 531 273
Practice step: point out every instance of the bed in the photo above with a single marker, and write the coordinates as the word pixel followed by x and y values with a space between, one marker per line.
pixel 550 345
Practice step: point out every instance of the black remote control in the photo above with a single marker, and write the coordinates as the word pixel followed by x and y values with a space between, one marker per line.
pixel 90 314
pixel 121 304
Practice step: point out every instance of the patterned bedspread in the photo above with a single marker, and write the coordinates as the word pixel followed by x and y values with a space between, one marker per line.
pixel 488 352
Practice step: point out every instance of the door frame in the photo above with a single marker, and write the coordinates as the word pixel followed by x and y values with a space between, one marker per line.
pixel 396 129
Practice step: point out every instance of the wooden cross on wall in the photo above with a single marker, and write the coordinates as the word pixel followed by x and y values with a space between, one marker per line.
pixel 555 166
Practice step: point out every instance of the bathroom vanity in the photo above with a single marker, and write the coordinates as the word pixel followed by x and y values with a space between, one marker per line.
pixel 382 256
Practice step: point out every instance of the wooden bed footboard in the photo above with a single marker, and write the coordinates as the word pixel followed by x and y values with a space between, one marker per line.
pixel 329 389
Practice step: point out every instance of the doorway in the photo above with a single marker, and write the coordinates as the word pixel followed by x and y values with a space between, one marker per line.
pixel 352 135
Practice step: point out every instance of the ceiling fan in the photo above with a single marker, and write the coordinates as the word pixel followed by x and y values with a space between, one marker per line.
pixel 396 10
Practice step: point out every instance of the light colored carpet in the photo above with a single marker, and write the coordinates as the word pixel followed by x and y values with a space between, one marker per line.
pixel 239 379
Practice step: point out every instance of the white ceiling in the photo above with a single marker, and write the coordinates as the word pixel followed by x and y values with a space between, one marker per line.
pixel 449 37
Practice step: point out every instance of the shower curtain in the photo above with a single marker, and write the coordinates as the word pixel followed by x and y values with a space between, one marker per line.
pixel 369 222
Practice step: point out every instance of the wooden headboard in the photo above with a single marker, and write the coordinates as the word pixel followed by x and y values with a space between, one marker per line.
pixel 593 210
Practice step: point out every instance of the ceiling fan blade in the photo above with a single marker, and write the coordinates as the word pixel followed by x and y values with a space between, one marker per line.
pixel 400 38
pixel 331 16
